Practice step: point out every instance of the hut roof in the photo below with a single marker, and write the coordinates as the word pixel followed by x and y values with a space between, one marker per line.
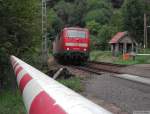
pixel 117 37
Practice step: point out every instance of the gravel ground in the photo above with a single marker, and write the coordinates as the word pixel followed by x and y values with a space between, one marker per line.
pixel 90 80
pixel 140 70
pixel 127 95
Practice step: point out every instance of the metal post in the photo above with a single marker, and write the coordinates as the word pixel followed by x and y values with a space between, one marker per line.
pixel 132 47
pixel 147 34
pixel 124 48
pixel 145 31
pixel 44 33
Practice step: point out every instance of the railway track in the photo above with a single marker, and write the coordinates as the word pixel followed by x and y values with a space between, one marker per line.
pixel 90 70
pixel 99 67
pixel 106 63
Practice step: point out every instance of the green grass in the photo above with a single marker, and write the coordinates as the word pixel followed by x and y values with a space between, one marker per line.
pixel 142 59
pixel 106 56
pixel 123 62
pixel 73 83
pixel 101 56
pixel 11 102
pixel 138 60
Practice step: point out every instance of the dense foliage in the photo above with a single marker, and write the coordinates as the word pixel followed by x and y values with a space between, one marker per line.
pixel 133 12
pixel 103 18
pixel 19 26
pixel 93 14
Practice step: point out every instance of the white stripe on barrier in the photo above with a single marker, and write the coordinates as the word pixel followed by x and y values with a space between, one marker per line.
pixel 31 90
pixel 20 76
pixel 65 98
pixel 13 61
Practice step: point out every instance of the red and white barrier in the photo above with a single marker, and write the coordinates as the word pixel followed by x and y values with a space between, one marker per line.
pixel 43 95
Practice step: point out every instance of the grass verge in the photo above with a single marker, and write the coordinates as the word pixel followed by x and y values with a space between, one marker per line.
pixel 73 83
pixel 11 102
pixel 106 56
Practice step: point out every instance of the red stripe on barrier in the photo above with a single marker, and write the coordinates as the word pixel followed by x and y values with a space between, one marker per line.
pixel 26 78
pixel 18 70
pixel 44 104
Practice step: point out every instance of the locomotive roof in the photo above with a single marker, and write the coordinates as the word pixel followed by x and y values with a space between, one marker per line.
pixel 75 28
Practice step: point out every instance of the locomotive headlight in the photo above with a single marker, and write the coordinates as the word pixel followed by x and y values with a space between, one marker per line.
pixel 85 49
pixel 68 49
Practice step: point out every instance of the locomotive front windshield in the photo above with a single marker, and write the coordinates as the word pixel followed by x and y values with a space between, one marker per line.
pixel 76 34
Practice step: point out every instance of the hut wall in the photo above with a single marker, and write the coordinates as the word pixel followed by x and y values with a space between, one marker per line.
pixel 126 39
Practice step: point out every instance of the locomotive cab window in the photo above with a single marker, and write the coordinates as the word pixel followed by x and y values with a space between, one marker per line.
pixel 76 34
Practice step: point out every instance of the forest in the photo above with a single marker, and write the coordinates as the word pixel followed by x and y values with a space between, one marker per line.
pixel 20 26
pixel 101 17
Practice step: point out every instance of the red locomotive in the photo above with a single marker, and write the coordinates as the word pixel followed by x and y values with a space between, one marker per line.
pixel 72 45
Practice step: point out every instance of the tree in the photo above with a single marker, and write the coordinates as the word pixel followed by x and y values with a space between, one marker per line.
pixel 19 32
pixel 99 4
pixel 79 12
pixel 55 24
pixel 93 26
pixel 101 16
pixel 105 34
pixel 61 9
pixel 133 11
pixel 117 3
pixel 117 20
pixel 71 13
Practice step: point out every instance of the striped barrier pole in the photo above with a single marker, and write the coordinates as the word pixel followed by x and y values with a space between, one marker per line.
pixel 43 95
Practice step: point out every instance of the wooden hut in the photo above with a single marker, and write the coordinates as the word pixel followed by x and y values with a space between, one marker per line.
pixel 122 43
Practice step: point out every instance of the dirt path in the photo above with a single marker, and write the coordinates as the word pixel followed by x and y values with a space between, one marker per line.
pixel 90 80
pixel 140 70
pixel 117 95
